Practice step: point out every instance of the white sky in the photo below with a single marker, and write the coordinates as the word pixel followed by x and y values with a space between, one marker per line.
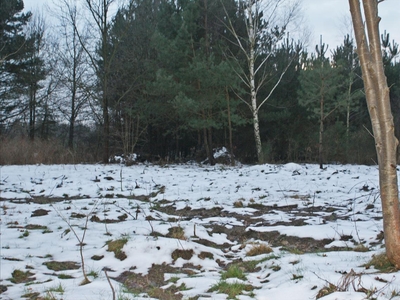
pixel 323 17
pixel 331 19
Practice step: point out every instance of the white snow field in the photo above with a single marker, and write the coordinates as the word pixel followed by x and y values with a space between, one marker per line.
pixel 181 227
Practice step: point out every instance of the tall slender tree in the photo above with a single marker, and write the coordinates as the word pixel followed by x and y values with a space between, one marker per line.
pixel 73 70
pixel 101 61
pixel 34 70
pixel 319 88
pixel 257 45
pixel 377 94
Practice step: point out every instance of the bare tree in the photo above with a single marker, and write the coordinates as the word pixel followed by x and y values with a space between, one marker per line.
pixel 99 11
pixel 378 101
pixel 260 17
pixel 74 70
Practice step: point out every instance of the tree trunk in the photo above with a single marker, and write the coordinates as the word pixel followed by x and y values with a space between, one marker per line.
pixel 207 147
pixel 252 83
pixel 72 118
pixel 348 114
pixel 257 137
pixel 32 113
pixel 229 127
pixel 377 94
pixel 321 134
pixel 106 131
pixel 106 122
pixel 71 133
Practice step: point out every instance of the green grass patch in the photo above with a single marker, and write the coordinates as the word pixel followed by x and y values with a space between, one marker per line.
pixel 250 265
pixel 231 289
pixel 36 227
pixel 234 271
pixel 174 279
pixel 31 295
pixel 93 274
pixel 64 276
pixel 57 289
pixel 25 234
pixel 61 265
pixel 19 276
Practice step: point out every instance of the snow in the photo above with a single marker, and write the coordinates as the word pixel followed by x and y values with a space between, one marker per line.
pixel 303 201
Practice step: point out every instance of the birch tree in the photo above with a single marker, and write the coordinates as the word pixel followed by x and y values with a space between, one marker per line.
pixel 261 38
pixel 378 101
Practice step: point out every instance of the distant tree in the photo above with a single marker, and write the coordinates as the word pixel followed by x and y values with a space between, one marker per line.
pixel 390 49
pixel 33 70
pixel 73 70
pixel 345 59
pixel 12 22
pixel 193 73
pixel 132 69
pixel 100 60
pixel 378 100
pixel 391 64
pixel 319 82
pixel 283 139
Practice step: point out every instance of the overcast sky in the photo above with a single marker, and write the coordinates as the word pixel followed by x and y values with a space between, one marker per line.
pixel 329 18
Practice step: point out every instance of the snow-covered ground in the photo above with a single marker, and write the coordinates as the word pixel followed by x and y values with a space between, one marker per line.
pixel 311 218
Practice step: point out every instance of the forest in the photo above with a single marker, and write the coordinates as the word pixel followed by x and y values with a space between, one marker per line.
pixel 174 81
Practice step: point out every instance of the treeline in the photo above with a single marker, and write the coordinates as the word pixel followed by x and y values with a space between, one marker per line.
pixel 175 80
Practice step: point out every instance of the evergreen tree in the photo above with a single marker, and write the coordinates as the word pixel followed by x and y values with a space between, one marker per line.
pixel 193 74
pixel 12 51
pixel 345 59
pixel 130 37
pixel 319 82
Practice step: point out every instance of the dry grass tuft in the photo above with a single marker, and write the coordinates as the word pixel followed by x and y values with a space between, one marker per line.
pixel 238 204
pixel 360 248
pixel 176 232
pixel 259 249
pixel 381 263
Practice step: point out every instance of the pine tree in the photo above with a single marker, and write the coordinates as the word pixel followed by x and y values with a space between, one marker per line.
pixel 12 51
pixel 319 82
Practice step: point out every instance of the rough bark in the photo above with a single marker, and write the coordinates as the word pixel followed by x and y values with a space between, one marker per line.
pixel 378 101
